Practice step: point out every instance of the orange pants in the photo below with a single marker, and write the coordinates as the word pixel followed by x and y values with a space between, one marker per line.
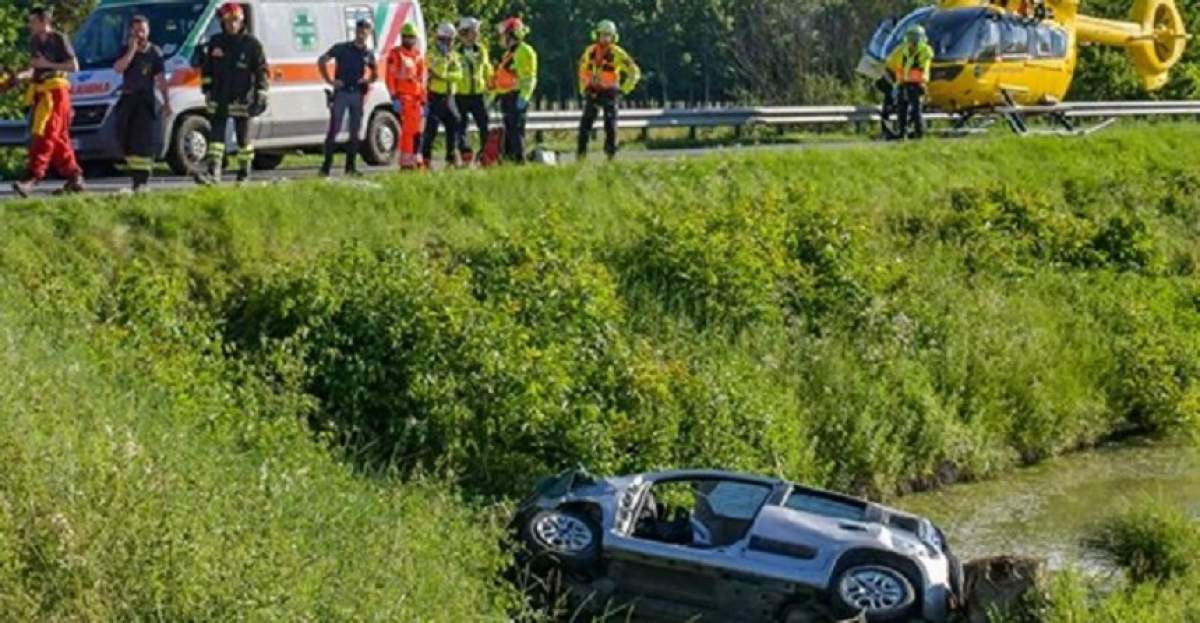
pixel 411 115
pixel 51 145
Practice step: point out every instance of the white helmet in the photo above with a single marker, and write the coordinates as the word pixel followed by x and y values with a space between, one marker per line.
pixel 446 30
pixel 468 23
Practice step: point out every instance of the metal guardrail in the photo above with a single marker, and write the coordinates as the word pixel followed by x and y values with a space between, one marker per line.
pixel 13 133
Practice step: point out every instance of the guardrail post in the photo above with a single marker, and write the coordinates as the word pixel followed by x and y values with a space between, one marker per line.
pixel 692 133
pixel 645 135
pixel 539 137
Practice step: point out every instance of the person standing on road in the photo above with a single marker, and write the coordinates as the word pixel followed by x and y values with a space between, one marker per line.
pixel 911 63
pixel 406 84
pixel 445 71
pixel 514 82
pixel 471 96
pixel 233 77
pixel 142 69
pixel 606 71
pixel 356 72
pixel 48 95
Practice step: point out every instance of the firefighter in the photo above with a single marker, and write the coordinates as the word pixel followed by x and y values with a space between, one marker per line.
pixel 445 71
pixel 356 72
pixel 142 68
pixel 48 95
pixel 233 77
pixel 471 96
pixel 514 82
pixel 406 84
pixel 910 63
pixel 606 71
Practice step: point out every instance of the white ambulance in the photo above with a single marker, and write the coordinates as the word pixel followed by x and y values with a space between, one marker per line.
pixel 293 33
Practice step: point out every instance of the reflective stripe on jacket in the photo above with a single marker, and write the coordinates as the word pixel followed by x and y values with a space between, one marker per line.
pixel 445 70
pixel 477 70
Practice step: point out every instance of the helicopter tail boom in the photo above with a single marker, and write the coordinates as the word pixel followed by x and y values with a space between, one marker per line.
pixel 1154 39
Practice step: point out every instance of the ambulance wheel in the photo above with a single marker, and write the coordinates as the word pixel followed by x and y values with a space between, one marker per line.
pixel 267 161
pixel 189 145
pixel 383 139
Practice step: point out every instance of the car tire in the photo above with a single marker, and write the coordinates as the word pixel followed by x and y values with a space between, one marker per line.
pixel 189 145
pixel 267 161
pixel 562 538
pixel 878 589
pixel 383 139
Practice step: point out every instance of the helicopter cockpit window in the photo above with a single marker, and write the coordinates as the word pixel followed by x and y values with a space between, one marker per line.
pixel 960 34
pixel 1015 38
pixel 1051 42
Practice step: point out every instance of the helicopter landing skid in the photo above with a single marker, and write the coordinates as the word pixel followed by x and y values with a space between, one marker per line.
pixel 1070 130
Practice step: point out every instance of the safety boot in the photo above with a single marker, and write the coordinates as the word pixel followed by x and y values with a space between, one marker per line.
pixel 24 188
pixel 73 186
pixel 141 181
pixel 243 174
pixel 210 176
pixel 352 159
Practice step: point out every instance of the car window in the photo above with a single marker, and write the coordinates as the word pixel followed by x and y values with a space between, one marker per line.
pixel 808 502
pixel 736 500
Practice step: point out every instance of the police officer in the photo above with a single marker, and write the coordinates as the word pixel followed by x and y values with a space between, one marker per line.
pixel 606 71
pixel 356 72
pixel 233 76
pixel 471 95
pixel 141 66
pixel 445 71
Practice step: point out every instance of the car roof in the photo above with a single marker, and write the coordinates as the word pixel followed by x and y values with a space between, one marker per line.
pixel 712 474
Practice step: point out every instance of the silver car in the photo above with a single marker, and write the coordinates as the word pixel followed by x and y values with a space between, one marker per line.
pixel 703 545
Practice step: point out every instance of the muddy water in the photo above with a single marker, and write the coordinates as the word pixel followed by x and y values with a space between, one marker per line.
pixel 1046 510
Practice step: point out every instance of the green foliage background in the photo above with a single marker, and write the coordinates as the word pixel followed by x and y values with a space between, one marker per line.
pixel 769 51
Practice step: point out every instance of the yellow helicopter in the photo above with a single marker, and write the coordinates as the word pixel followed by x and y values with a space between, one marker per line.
pixel 1016 55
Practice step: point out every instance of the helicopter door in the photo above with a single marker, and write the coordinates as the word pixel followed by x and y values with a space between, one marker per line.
pixel 1051 74
pixel 1015 76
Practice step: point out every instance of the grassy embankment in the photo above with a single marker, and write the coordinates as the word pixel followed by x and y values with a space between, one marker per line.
pixel 251 401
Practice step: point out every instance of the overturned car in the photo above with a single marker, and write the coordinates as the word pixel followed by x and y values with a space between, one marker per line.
pixel 701 545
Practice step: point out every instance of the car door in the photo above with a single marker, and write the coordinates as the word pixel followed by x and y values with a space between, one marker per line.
pixel 700 570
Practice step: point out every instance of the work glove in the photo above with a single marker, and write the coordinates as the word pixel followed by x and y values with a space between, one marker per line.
pixel 259 105
pixel 522 104
pixel 398 107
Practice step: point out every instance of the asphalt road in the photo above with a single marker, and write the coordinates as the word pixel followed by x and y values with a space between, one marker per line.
pixel 120 184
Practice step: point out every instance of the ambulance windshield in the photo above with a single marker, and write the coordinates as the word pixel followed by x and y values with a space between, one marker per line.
pixel 104 34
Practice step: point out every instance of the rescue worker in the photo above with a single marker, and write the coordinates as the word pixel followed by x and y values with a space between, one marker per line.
pixel 606 71
pixel 406 84
pixel 910 63
pixel 356 71
pixel 48 95
pixel 445 71
pixel 514 82
pixel 142 69
pixel 233 77
pixel 471 96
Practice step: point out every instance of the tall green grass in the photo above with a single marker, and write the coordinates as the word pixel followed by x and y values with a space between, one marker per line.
pixel 298 401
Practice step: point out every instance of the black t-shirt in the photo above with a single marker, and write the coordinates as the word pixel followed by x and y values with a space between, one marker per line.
pixel 54 47
pixel 352 63
pixel 145 66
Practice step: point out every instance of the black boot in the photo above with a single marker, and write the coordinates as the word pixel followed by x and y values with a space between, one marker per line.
pixel 243 174
pixel 352 159
pixel 140 180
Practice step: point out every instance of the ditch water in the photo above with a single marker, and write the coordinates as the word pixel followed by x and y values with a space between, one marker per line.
pixel 1045 511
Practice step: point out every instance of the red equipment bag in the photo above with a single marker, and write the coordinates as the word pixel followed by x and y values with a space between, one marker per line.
pixel 492 148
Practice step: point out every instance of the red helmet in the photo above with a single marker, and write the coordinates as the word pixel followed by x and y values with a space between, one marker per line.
pixel 515 27
pixel 230 10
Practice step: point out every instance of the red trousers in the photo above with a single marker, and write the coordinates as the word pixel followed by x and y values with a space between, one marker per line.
pixel 411 113
pixel 51 146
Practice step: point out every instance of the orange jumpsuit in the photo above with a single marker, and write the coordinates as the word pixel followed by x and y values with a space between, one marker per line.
pixel 405 76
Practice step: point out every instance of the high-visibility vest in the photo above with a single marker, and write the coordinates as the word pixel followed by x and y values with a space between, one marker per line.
pixel 911 66
pixel 405 72
pixel 477 70
pixel 444 71
pixel 517 70
pixel 607 67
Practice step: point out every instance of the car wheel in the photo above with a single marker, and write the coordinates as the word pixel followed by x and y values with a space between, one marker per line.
pixel 267 161
pixel 881 592
pixel 189 145
pixel 570 539
pixel 383 139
